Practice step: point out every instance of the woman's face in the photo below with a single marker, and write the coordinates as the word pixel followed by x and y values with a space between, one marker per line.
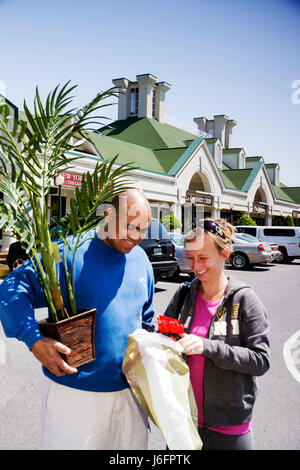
pixel 205 259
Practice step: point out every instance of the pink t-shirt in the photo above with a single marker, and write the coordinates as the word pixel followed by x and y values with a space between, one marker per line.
pixel 204 311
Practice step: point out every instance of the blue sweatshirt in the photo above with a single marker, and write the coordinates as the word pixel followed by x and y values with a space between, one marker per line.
pixel 120 286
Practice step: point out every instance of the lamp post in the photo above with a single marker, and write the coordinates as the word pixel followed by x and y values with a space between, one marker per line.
pixel 59 181
pixel 231 215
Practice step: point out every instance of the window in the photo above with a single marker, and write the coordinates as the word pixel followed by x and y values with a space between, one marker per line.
pixel 134 101
pixel 153 103
pixel 248 230
pixel 276 232
pixel 55 206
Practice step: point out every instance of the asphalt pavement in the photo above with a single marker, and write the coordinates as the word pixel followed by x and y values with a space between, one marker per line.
pixel 277 410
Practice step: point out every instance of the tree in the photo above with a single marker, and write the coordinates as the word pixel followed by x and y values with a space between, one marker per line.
pixel 34 152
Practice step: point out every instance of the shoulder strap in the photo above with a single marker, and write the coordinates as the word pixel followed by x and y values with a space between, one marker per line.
pixel 182 295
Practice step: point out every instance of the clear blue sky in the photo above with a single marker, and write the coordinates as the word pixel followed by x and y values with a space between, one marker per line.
pixel 233 57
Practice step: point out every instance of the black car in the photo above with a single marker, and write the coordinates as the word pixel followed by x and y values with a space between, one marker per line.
pixel 16 255
pixel 160 250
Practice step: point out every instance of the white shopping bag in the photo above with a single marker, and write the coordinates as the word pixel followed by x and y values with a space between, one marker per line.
pixel 160 379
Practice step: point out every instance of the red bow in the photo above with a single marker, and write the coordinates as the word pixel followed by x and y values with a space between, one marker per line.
pixel 170 326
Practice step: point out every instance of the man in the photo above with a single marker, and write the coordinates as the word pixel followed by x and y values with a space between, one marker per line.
pixel 92 407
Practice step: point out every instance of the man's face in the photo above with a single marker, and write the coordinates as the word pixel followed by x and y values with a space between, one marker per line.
pixel 130 226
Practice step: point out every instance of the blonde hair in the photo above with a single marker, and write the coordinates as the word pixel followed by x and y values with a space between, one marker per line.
pixel 222 243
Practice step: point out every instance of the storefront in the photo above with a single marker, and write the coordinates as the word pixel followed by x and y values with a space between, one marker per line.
pixel 296 218
pixel 62 193
pixel 197 206
pixel 259 213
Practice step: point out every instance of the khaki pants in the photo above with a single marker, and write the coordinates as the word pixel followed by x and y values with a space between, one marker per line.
pixel 79 420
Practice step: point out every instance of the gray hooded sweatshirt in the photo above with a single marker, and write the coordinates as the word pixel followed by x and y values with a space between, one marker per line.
pixel 236 350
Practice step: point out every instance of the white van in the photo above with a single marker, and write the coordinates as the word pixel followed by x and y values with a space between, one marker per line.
pixel 288 238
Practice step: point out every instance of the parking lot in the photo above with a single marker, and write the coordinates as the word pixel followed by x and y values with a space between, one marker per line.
pixel 276 416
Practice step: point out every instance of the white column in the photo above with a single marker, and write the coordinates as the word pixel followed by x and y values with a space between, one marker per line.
pixel 122 84
pixel 146 83
pixel 7 237
pixel 161 90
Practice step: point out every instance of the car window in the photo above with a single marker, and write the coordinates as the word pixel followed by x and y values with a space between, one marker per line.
pixel 247 237
pixel 249 230
pixel 279 232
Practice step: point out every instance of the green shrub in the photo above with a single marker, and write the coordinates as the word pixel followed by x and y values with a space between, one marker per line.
pixel 288 220
pixel 170 222
pixel 246 220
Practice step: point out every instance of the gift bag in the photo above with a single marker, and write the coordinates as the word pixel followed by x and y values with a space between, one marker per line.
pixel 160 380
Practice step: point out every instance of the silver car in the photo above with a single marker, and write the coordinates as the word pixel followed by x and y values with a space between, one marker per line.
pixel 183 264
pixel 246 253
pixel 250 238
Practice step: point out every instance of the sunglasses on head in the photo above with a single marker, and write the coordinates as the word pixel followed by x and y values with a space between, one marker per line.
pixel 213 227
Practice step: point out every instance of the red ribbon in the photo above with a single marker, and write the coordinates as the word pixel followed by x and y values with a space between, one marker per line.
pixel 167 326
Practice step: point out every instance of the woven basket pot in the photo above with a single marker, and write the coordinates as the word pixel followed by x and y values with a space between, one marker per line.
pixel 76 332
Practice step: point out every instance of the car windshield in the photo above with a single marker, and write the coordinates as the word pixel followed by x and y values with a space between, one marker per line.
pixel 246 237
pixel 177 238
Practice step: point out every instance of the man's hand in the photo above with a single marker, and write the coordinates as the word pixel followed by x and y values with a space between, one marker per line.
pixel 47 350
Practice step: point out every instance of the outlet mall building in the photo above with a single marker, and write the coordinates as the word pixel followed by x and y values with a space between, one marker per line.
pixel 185 171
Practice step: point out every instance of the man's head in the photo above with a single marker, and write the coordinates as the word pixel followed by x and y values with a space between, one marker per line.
pixel 127 221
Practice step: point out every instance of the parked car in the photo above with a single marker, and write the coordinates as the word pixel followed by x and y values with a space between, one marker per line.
pixel 160 250
pixel 288 239
pixel 274 247
pixel 247 253
pixel 183 264
pixel 16 256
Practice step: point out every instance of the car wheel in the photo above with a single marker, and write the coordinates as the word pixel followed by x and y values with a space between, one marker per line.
pixel 239 261
pixel 175 275
pixel 17 263
pixel 283 255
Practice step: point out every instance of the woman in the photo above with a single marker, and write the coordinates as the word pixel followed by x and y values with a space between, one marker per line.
pixel 226 339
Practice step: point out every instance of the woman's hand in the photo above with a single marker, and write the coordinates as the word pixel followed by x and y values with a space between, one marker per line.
pixel 191 344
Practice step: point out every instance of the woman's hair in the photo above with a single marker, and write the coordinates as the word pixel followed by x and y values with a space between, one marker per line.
pixel 219 230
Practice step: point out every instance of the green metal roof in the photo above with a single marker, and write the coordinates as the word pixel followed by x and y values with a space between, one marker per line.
pixel 288 194
pixel 157 161
pixel 148 133
pixel 161 148
pixel 235 179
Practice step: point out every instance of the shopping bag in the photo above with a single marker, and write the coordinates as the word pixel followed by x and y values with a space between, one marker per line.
pixel 159 378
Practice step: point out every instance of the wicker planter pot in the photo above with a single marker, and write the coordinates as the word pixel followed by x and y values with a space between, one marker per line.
pixel 77 333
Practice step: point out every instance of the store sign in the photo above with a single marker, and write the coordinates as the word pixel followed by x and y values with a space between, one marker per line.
pixel 258 208
pixel 71 179
pixel 206 200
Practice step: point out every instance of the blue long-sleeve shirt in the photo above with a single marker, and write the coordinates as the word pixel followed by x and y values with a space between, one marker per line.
pixel 121 288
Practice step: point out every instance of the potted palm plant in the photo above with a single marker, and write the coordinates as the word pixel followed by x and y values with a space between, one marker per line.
pixel 32 153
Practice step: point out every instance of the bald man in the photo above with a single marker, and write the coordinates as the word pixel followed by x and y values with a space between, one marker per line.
pixel 92 407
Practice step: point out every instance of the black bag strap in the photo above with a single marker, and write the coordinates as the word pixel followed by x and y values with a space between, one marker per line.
pixel 182 296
